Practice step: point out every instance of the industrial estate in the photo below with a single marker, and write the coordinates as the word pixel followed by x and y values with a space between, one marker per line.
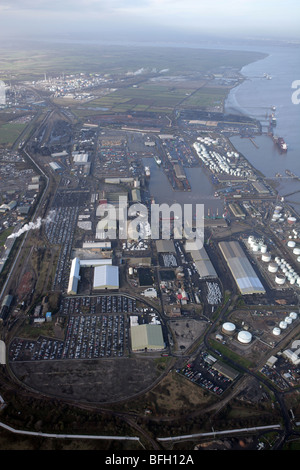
pixel 170 340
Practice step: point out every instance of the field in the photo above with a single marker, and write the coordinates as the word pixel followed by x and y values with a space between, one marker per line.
pixel 10 132
pixel 33 62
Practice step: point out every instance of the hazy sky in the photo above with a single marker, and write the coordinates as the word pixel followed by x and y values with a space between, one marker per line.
pixel 151 20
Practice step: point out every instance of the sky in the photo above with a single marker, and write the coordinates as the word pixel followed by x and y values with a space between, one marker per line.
pixel 150 20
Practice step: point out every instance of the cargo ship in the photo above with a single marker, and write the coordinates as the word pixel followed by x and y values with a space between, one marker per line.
pixel 147 171
pixel 157 159
pixel 281 144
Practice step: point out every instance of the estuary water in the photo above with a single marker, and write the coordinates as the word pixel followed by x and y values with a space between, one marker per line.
pixel 255 97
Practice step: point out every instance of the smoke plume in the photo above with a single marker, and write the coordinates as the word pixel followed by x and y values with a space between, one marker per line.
pixel 33 225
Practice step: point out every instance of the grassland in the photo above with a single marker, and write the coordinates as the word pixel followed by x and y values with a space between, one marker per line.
pixel 10 132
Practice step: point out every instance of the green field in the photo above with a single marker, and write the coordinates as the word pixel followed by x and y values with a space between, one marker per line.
pixel 10 132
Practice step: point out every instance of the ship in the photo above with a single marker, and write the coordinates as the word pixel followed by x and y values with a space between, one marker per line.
pixel 273 120
pixel 157 159
pixel 281 144
pixel 147 171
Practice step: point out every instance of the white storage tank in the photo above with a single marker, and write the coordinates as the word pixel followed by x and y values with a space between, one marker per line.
pixel 280 279
pixel 266 257
pixel 263 249
pixel 296 251
pixel 283 325
pixel 276 331
pixel 273 268
pixel 291 220
pixel 291 244
pixel 288 320
pixel 293 315
pixel 228 328
pixel 244 337
pixel 255 247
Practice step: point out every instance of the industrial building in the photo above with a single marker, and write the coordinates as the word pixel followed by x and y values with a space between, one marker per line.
pixel 201 260
pixel 106 277
pixel 165 246
pixel 241 269
pixel 147 337
pixel 74 277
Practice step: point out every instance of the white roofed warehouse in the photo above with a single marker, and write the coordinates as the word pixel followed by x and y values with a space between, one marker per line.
pixel 74 276
pixel 241 269
pixel 106 277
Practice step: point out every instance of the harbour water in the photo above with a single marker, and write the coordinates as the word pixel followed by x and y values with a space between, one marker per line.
pixel 254 97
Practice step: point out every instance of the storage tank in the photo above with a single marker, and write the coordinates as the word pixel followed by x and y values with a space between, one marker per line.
pixel 228 328
pixel 298 259
pixel 280 279
pixel 283 325
pixel 293 315
pixel 130 271
pixel 296 251
pixel 291 244
pixel 291 220
pixel 288 320
pixel 266 257
pixel 273 268
pixel 244 337
pixel 255 247
pixel 263 249
pixel 276 331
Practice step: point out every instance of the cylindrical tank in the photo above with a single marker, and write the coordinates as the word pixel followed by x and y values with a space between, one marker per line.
pixel 244 337
pixel 273 268
pixel 255 247
pixel 263 249
pixel 280 279
pixel 266 257
pixel 130 271
pixel 228 328
pixel 283 325
pixel 276 331
pixel 291 244
pixel 296 251
pixel 288 320
pixel 291 220
pixel 293 315
pixel 298 259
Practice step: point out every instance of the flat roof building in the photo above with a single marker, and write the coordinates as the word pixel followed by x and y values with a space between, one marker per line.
pixel 241 269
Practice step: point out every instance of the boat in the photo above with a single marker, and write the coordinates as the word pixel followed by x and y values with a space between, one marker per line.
pixel 147 171
pixel 157 159
pixel 273 120
pixel 281 144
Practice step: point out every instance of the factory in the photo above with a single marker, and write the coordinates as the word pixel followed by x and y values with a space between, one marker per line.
pixel 241 269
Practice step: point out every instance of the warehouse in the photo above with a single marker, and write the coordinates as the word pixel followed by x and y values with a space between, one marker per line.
pixel 106 277
pixel 241 269
pixel 201 260
pixel 74 277
pixel 147 337
pixel 165 246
